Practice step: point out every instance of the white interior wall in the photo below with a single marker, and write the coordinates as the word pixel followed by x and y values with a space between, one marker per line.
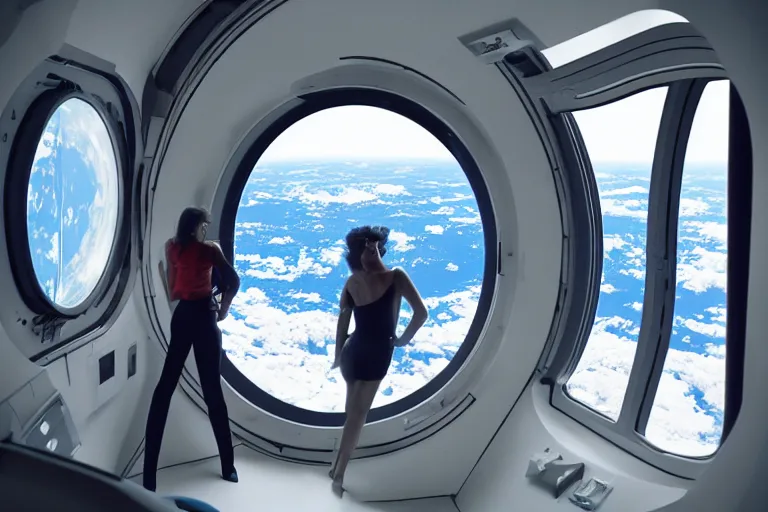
pixel 15 369
pixel 110 418
pixel 131 34
pixel 20 54
pixel 102 413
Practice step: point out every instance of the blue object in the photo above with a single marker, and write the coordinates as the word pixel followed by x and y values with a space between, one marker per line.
pixel 191 504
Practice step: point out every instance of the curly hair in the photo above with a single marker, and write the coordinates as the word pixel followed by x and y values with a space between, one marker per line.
pixel 356 240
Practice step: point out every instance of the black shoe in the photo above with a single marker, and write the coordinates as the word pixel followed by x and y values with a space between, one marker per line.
pixel 230 476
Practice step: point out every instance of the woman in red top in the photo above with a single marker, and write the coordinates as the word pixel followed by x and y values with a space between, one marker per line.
pixel 191 261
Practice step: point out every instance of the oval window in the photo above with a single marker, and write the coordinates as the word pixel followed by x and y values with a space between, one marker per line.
pixel 72 203
pixel 330 171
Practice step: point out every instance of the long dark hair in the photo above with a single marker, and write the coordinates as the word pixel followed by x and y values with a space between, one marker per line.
pixel 188 221
pixel 356 239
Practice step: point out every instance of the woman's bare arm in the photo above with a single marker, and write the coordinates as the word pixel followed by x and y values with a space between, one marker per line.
pixel 342 326
pixel 411 295
pixel 230 281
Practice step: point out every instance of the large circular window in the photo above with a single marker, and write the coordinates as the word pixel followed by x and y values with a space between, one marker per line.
pixel 327 172
pixel 72 204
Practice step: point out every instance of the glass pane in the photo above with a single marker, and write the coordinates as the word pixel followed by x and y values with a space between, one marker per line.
pixel 329 172
pixel 687 413
pixel 72 203
pixel 621 139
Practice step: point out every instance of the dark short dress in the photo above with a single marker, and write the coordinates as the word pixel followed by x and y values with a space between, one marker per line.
pixel 367 353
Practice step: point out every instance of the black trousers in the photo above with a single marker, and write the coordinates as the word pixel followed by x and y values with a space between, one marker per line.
pixel 193 324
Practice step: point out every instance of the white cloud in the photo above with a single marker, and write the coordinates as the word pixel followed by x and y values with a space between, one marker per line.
pixel 346 195
pixel 402 241
pixel 635 208
pixel 611 242
pixel 603 371
pixel 392 190
pixel 466 220
pixel 452 267
pixel 444 210
pixel 331 256
pixel 625 191
pixel 699 269
pixel 53 254
pixel 711 330
pixel 273 267
pixel 456 197
pixel 307 297
pixel 601 378
pixel 707 231
pixel 435 230
pixel 281 240
pixel 634 272
pixel 719 312
pixel 716 350
pixel 692 207
pixel 281 363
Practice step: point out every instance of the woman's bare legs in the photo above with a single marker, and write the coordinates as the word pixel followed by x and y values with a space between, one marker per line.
pixel 347 407
pixel 360 397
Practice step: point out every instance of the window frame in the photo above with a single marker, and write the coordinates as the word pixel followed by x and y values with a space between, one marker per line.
pixel 627 431
pixel 581 84
pixel 22 155
pixel 675 55
pixel 69 74
pixel 740 173
pixel 658 56
pixel 321 100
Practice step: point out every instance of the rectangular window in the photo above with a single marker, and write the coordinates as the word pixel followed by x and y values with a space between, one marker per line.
pixel 687 413
pixel 621 139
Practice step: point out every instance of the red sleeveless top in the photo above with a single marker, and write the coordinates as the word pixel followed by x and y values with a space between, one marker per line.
pixel 193 265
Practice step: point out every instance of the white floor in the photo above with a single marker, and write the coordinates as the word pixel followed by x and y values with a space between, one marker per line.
pixel 267 484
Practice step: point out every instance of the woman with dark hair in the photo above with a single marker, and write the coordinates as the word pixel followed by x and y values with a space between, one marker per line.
pixel 373 292
pixel 191 261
